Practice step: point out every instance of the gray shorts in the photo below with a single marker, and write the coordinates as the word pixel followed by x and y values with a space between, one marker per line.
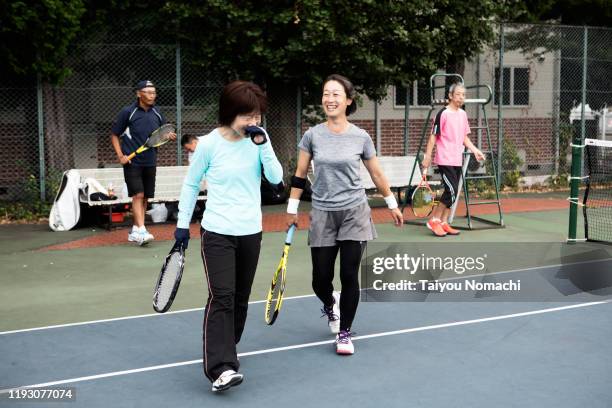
pixel 327 227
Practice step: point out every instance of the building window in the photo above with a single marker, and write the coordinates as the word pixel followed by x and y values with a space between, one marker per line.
pixel 418 92
pixel 515 88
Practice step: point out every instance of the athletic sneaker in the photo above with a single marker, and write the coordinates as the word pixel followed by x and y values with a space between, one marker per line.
pixel 135 236
pixel 344 345
pixel 436 227
pixel 146 236
pixel 227 379
pixel 333 314
pixel 448 229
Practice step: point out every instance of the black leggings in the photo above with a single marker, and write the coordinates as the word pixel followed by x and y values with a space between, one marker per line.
pixel 323 261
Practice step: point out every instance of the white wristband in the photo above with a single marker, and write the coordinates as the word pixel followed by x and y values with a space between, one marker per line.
pixel 391 202
pixel 292 206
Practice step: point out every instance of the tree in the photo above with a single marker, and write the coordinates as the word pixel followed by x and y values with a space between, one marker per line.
pixel 285 44
pixel 35 36
pixel 375 43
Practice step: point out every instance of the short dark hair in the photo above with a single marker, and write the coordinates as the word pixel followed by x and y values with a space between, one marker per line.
pixel 240 97
pixel 349 89
pixel 187 138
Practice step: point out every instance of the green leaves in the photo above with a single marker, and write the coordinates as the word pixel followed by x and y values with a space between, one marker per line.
pixel 36 35
pixel 374 42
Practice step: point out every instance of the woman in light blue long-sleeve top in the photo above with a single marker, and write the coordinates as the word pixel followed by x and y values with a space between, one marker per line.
pixel 230 158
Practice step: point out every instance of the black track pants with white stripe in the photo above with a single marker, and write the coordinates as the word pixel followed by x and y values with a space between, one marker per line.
pixel 229 265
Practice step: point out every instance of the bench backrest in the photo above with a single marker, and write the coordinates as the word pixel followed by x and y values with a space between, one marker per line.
pixel 396 168
pixel 168 181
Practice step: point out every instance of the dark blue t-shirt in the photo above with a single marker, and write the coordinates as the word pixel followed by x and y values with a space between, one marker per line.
pixel 134 125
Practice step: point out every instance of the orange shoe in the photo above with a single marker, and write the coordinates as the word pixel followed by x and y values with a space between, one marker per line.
pixel 436 227
pixel 448 229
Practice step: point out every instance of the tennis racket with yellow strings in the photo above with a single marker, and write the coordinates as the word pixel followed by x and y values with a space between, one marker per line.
pixel 274 300
pixel 423 199
pixel 159 137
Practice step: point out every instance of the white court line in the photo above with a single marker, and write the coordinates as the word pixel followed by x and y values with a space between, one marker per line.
pixel 313 344
pixel 133 317
pixel 287 298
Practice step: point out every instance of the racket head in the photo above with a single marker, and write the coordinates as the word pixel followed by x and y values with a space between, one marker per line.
pixel 274 299
pixel 423 200
pixel 169 280
pixel 161 135
pixel 275 293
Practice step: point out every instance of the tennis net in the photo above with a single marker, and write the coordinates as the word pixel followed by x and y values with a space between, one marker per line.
pixel 598 195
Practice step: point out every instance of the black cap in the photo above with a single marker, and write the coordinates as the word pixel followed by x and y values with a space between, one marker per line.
pixel 144 84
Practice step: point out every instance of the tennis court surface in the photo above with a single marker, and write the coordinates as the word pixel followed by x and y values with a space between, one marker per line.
pixel 82 318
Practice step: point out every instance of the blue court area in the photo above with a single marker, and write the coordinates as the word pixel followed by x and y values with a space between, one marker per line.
pixel 477 354
pixel 82 318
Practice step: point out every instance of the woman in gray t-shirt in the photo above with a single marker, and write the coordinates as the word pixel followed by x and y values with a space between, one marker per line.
pixel 340 219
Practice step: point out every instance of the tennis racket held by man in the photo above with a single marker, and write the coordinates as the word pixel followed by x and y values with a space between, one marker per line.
pixel 159 137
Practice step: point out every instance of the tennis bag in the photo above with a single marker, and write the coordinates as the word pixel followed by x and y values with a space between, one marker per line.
pixel 66 209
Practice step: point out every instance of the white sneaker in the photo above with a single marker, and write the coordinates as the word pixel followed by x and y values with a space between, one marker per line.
pixel 146 236
pixel 344 344
pixel 333 314
pixel 227 379
pixel 135 236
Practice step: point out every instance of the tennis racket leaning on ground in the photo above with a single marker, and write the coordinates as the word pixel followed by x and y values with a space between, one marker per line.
pixel 159 137
pixel 169 279
pixel 423 199
pixel 277 287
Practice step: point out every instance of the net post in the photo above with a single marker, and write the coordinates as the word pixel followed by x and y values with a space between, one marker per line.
pixel 577 151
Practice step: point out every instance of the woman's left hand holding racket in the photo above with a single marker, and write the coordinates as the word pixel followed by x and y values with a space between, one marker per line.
pixel 181 235
pixel 169 279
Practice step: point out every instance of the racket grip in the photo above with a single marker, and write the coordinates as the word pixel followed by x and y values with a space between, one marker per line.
pixel 290 232
pixel 131 156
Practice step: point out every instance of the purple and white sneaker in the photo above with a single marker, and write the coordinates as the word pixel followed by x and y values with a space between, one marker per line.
pixel 333 314
pixel 344 345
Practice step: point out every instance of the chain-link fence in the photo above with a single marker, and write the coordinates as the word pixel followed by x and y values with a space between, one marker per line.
pixel 533 109
pixel 20 153
pixel 567 66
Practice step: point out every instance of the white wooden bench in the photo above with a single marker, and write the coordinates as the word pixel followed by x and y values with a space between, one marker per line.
pixel 397 169
pixel 168 184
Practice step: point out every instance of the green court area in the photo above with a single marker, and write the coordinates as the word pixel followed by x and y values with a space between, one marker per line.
pixel 43 288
